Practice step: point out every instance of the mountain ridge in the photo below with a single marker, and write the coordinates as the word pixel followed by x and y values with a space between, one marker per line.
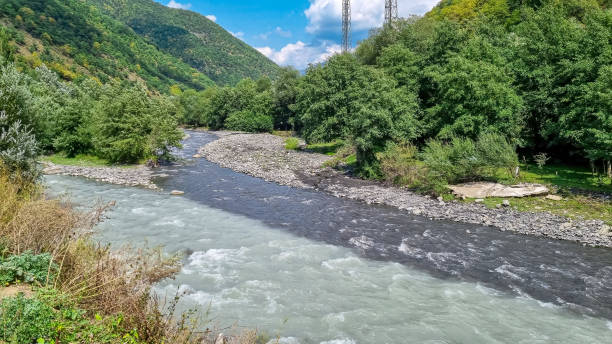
pixel 195 39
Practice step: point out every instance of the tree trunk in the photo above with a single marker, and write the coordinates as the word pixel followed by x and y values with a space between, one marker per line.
pixel 609 169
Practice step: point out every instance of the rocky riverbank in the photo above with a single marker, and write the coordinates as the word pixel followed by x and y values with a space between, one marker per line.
pixel 264 156
pixel 127 176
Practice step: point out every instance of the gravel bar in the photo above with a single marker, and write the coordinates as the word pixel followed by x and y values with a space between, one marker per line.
pixel 264 156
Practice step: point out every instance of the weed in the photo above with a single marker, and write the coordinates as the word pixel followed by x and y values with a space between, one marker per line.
pixel 292 144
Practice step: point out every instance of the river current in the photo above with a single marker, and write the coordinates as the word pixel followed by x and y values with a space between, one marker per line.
pixel 312 268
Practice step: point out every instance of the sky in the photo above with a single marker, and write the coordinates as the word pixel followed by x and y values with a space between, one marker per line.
pixel 296 32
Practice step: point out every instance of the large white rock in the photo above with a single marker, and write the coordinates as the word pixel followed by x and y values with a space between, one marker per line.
pixel 486 189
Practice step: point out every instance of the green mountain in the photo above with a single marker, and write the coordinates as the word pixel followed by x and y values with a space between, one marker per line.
pixel 193 38
pixel 76 39
pixel 133 40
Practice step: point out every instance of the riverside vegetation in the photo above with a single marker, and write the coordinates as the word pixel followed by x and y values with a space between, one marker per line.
pixel 471 91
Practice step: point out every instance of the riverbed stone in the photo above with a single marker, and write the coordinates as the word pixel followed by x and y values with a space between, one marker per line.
pixel 264 156
pixel 177 193
pixel 128 176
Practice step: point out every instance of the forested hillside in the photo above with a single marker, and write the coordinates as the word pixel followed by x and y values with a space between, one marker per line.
pixel 193 38
pixel 76 39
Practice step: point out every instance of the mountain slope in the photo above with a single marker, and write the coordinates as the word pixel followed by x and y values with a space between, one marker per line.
pixel 75 39
pixel 193 38
pixel 464 10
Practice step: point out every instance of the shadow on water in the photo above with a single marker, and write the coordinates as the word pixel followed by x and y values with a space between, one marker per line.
pixel 563 273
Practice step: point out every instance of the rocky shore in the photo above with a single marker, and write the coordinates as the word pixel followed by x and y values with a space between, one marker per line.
pixel 264 156
pixel 127 176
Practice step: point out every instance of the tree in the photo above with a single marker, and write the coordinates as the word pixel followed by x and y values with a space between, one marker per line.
pixel 346 100
pixel 131 126
pixel 285 90
pixel 472 96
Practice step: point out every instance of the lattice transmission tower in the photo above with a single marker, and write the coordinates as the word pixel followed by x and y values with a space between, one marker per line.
pixel 346 25
pixel 391 12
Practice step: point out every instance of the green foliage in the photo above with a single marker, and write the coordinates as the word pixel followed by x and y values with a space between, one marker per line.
pixel 81 39
pixel 490 103
pixel 463 159
pixel 245 103
pixel 131 126
pixel 25 320
pixel 285 90
pixel 292 144
pixel 18 150
pixel 346 100
pixel 194 106
pixel 399 165
pixel 28 268
pixel 250 122
pixel 192 38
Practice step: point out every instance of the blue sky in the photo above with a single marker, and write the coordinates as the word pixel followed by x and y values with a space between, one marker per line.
pixel 296 32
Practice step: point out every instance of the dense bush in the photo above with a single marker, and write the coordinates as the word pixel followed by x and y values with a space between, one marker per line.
pixel 399 164
pixel 28 268
pixel 25 320
pixel 249 122
pixel 18 150
pixel 131 126
pixel 463 159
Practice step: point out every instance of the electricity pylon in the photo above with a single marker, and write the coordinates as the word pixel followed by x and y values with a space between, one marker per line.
pixel 346 25
pixel 391 12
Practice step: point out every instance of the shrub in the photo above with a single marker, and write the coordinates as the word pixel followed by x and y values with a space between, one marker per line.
pixel 25 320
pixel 400 166
pixel 464 160
pixel 250 122
pixel 541 159
pixel 292 143
pixel 18 150
pixel 28 268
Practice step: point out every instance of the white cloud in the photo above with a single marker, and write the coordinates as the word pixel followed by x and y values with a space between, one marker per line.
pixel 300 54
pixel 279 31
pixel 325 16
pixel 174 4
pixel 212 17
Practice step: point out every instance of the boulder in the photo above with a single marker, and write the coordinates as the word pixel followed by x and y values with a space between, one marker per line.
pixel 486 189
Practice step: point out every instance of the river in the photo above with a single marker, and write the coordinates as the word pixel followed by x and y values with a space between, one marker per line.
pixel 312 268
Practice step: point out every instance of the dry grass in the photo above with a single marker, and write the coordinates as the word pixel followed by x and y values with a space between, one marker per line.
pixel 92 276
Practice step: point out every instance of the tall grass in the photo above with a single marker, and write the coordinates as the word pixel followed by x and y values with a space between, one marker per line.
pixel 89 275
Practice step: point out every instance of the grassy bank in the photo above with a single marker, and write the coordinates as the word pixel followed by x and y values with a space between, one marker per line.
pixel 584 192
pixel 58 285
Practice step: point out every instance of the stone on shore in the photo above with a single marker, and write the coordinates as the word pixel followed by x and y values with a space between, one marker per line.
pixel 554 198
pixel 486 190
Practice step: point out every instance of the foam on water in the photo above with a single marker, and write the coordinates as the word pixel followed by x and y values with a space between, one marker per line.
pixel 312 292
